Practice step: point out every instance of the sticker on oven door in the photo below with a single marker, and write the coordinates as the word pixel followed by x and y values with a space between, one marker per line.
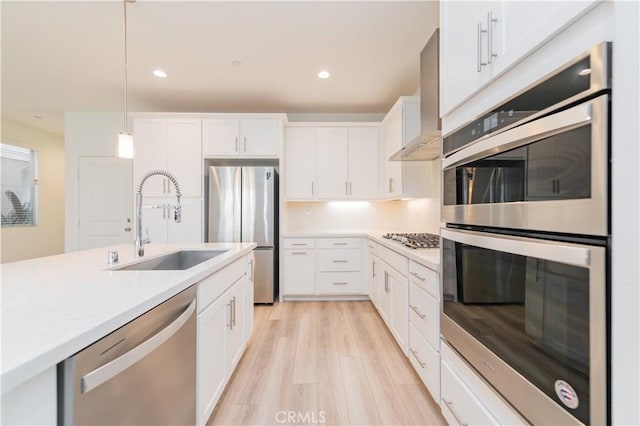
pixel 567 395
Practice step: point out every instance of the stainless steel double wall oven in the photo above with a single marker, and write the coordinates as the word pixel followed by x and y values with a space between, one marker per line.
pixel 525 251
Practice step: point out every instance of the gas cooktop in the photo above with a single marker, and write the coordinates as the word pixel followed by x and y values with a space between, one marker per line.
pixel 416 241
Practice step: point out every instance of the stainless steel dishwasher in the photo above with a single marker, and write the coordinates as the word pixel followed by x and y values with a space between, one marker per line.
pixel 144 373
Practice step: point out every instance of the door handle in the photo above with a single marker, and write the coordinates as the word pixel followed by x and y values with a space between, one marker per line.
pixel 415 309
pixel 490 21
pixel 340 283
pixel 480 32
pixel 346 188
pixel 251 270
pixel 111 369
pixel 312 188
pixel 339 261
pixel 230 325
pixel 298 252
pixel 245 144
pixel 415 355
pixel 236 144
pixel 449 405
pixel 127 229
pixel 418 276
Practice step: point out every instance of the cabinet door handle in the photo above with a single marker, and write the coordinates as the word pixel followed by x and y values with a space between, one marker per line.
pixel 449 405
pixel 312 188
pixel 418 276
pixel 230 325
pixel 490 22
pixel 168 187
pixel 234 311
pixel 340 283
pixel 390 185
pixel 236 144
pixel 340 244
pixel 415 309
pixel 340 261
pixel 350 193
pixel 299 252
pixel 164 186
pixel 299 244
pixel 480 32
pixel 251 270
pixel 373 269
pixel 557 186
pixel 245 143
pixel 415 355
pixel 346 188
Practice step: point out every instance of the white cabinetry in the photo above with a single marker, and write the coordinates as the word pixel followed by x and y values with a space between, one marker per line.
pixel 332 162
pixel 467 399
pixel 170 144
pixel 339 266
pixel 394 294
pixel 300 163
pixel 32 402
pixel 481 40
pixel 242 137
pixel 405 178
pixel 373 276
pixel 299 266
pixel 161 228
pixel 424 329
pixel 222 325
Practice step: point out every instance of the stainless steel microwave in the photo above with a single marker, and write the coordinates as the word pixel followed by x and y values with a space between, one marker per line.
pixel 548 174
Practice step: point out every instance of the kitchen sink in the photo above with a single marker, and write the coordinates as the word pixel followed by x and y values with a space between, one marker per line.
pixel 177 261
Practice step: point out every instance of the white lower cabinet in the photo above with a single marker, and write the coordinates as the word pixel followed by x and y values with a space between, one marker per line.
pixel 469 400
pixel 222 325
pixel 373 267
pixel 299 272
pixel 394 299
pixel 426 361
pixel 322 267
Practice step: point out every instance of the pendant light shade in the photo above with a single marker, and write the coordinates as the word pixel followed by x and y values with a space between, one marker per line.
pixel 125 139
pixel 125 145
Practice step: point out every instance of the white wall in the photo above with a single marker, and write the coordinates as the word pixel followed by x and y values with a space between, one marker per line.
pixel 87 134
pixel 625 312
pixel 417 215
pixel 47 237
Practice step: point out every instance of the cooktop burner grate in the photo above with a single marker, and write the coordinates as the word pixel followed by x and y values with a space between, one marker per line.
pixel 415 241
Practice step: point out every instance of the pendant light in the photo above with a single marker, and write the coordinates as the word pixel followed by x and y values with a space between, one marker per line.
pixel 125 139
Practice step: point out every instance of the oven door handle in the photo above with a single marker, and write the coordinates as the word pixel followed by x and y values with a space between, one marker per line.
pixel 574 254
pixel 572 118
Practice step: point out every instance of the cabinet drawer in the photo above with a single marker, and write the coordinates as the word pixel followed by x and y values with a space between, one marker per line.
pixel 339 283
pixel 396 260
pixel 299 243
pixel 424 314
pixel 461 403
pixel 426 278
pixel 211 287
pixel 339 243
pixel 426 362
pixel 339 260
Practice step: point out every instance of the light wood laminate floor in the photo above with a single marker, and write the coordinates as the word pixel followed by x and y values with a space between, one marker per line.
pixel 324 363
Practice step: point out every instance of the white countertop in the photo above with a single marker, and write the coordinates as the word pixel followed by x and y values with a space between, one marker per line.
pixel 427 257
pixel 54 306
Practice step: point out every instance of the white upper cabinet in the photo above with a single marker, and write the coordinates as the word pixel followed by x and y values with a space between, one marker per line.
pixel 363 162
pixel 331 162
pixel 168 144
pixel 480 40
pixel 243 137
pixel 411 179
pixel 300 163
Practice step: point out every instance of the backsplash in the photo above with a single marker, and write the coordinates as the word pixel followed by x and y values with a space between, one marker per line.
pixel 416 215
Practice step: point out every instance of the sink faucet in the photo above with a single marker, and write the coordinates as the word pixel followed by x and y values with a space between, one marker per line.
pixel 177 217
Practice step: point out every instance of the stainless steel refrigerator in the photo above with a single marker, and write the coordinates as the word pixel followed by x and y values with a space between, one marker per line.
pixel 243 206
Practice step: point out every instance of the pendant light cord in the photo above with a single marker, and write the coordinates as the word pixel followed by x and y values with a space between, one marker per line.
pixel 126 130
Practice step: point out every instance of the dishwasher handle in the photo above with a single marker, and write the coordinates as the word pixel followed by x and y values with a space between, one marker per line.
pixel 111 369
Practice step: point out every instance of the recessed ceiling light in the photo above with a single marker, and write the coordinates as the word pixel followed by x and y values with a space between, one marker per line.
pixel 323 74
pixel 236 63
pixel 37 117
pixel 160 73
pixel 585 71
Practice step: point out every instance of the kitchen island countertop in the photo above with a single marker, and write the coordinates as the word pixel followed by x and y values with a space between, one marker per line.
pixel 54 306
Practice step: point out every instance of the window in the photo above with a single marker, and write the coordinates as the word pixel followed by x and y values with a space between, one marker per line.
pixel 19 185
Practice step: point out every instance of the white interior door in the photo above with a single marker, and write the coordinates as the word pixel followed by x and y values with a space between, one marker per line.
pixel 105 202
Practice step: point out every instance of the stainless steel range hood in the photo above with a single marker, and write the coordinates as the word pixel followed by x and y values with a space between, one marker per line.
pixel 427 146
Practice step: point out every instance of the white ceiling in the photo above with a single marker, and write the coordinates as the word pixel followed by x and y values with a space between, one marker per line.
pixel 68 56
